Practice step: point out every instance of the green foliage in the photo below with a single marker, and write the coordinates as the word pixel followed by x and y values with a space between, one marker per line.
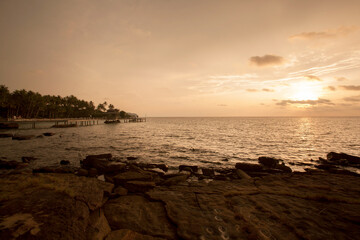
pixel 29 104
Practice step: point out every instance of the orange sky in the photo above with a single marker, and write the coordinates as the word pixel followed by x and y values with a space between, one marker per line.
pixel 188 58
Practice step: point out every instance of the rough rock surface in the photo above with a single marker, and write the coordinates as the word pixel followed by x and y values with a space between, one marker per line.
pixel 286 206
pixel 140 215
pixel 48 206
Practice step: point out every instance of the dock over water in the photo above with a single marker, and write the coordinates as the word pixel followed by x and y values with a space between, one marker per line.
pixel 69 122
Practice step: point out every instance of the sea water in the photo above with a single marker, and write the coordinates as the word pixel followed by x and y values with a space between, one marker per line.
pixel 211 142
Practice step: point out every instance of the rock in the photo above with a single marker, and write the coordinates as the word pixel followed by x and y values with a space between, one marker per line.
pixel 103 164
pixel 208 172
pixel 148 218
pixel 98 227
pixel 82 172
pixel 241 174
pixel 249 167
pixel 175 180
pixel 28 159
pixel 126 234
pixel 188 168
pixel 53 170
pixel 92 172
pixel 132 158
pixel 139 186
pixel 5 125
pixel 40 136
pixel 23 137
pixel 11 164
pixel 64 162
pixel 340 157
pixel 225 160
pixel 133 175
pixel 163 167
pixel 49 206
pixel 5 135
pixel 120 191
pixel 283 168
pixel 48 134
pixel 326 166
pixel 269 161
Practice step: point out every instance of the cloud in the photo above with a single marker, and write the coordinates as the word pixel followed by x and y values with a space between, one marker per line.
pixel 330 88
pixel 222 105
pixel 320 101
pixel 327 34
pixel 313 78
pixel 351 87
pixel 340 79
pixel 267 60
pixel 252 90
pixel 268 90
pixel 352 99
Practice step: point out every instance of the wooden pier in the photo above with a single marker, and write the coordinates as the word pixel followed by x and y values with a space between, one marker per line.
pixel 73 122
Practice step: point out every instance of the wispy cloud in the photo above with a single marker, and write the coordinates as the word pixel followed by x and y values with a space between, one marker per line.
pixel 232 77
pixel 351 87
pixel 313 78
pixel 268 90
pixel 320 101
pixel 327 34
pixel 340 79
pixel 267 60
pixel 251 90
pixel 352 99
pixel 330 88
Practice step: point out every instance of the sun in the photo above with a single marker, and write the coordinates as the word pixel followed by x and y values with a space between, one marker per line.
pixel 303 91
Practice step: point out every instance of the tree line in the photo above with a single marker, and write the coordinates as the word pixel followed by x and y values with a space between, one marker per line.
pixel 29 104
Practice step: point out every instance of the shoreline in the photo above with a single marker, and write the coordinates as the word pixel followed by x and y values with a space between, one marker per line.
pixel 105 199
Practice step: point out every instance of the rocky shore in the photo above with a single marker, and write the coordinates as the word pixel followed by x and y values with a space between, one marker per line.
pixel 110 199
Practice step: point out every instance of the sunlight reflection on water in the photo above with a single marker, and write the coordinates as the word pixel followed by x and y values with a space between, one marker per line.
pixel 201 141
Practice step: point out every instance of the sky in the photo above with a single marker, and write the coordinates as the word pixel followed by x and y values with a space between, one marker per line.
pixel 164 58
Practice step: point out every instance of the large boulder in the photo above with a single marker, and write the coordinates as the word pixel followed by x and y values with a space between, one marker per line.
pixel 269 161
pixel 102 164
pixel 98 227
pixel 342 157
pixel 51 206
pixel 249 167
pixel 133 175
pixel 140 215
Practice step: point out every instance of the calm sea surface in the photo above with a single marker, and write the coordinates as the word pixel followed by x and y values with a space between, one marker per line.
pixel 217 142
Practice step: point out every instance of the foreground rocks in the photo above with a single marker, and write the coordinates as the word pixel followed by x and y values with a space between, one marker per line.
pixel 133 201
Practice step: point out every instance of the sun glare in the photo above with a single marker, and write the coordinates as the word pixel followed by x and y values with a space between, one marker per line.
pixel 303 91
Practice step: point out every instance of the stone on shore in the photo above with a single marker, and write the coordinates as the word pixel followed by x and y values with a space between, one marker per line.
pixel 269 161
pixel 175 180
pixel 23 137
pixel 139 186
pixel 48 134
pixel 28 159
pixel 342 158
pixel 249 167
pixel 5 135
pixel 188 168
pixel 140 215
pixel 64 162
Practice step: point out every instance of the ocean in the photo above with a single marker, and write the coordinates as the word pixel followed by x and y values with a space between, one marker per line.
pixel 210 142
